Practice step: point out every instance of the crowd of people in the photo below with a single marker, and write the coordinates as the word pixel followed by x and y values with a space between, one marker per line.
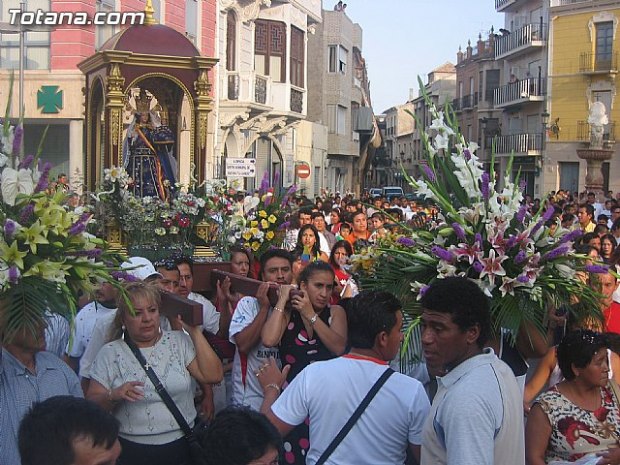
pixel 313 378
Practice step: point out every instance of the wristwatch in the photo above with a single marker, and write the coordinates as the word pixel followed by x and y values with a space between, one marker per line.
pixel 313 319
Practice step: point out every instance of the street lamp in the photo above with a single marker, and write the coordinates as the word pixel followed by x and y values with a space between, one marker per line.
pixel 544 119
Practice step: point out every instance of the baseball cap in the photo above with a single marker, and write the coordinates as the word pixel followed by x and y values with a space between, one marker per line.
pixel 140 268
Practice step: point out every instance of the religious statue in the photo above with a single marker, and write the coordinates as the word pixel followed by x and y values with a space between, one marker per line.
pixel 163 139
pixel 147 165
pixel 597 120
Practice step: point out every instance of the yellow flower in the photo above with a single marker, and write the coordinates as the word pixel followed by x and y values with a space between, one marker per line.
pixel 34 235
pixel 247 235
pixel 255 246
pixel 49 270
pixel 264 224
pixel 272 219
pixel 254 231
pixel 11 254
pixel 269 235
pixel 262 214
pixel 253 224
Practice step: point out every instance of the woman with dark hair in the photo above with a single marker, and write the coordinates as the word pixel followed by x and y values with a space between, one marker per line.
pixel 344 286
pixel 608 245
pixel 307 330
pixel 335 217
pixel 578 416
pixel 308 242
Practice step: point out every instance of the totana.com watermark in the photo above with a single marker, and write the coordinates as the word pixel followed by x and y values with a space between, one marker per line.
pixel 73 18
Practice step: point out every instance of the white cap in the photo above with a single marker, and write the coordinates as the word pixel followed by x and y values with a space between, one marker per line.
pixel 141 268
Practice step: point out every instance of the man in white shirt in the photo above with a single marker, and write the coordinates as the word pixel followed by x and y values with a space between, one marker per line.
pixel 477 414
pixel 326 238
pixel 329 392
pixel 246 326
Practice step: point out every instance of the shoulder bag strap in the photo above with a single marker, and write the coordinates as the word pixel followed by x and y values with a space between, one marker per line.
pixel 161 390
pixel 356 415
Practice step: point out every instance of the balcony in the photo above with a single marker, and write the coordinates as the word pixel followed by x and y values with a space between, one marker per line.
pixel 522 40
pixel 519 144
pixel 517 93
pixel 556 3
pixel 598 63
pixel 505 5
pixel 584 131
pixel 260 89
pixel 233 86
pixel 456 104
pixel 468 102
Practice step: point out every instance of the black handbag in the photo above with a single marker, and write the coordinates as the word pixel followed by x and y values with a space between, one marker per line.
pixel 195 448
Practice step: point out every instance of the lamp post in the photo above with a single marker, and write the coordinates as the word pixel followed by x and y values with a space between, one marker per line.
pixel 544 119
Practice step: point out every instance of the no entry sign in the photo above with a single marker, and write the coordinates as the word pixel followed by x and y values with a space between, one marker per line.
pixel 303 171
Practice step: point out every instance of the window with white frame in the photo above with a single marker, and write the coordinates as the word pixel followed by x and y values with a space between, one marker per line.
pixel 341 119
pixel 191 20
pixel 104 32
pixel 337 59
pixel 36 43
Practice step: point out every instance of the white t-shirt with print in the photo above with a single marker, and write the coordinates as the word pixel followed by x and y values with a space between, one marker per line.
pixel 330 391
pixel 83 327
pixel 210 316
pixel 246 388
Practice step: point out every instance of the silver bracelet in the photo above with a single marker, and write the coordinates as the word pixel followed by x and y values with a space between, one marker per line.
pixel 275 386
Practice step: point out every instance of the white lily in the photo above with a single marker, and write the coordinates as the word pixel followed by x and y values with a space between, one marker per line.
pixel 15 182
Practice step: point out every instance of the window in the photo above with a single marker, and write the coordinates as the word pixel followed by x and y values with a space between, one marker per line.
pixel 336 119
pixel 231 41
pixel 270 49
pixel 103 33
pixel 355 107
pixel 297 57
pixel 604 44
pixel 36 44
pixel 337 59
pixel 191 20
pixel 492 84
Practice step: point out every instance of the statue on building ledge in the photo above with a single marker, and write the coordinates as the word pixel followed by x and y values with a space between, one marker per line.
pixel 597 121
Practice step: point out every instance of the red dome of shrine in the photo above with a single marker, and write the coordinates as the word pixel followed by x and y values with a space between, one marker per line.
pixel 156 39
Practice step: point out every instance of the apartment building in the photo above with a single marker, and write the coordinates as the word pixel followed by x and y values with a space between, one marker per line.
pixel 521 48
pixel 52 83
pixel 339 98
pixel 583 66
pixel 263 85
pixel 398 142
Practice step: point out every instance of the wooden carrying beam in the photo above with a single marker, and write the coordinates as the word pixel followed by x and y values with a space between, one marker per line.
pixel 173 305
pixel 202 275
pixel 243 285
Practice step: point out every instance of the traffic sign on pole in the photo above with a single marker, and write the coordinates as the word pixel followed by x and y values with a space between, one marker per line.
pixel 241 167
pixel 303 171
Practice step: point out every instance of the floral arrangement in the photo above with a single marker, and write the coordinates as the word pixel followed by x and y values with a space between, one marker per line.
pixel 261 225
pixel 149 222
pixel 46 255
pixel 484 234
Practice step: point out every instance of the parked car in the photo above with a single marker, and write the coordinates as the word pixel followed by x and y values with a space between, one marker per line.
pixel 390 192
pixel 375 192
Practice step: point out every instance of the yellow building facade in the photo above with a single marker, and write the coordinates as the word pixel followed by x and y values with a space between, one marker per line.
pixel 583 67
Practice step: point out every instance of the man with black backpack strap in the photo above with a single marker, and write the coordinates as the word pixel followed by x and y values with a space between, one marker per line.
pixel 360 410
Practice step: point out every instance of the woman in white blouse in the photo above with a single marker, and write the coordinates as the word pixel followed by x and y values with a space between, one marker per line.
pixel 149 433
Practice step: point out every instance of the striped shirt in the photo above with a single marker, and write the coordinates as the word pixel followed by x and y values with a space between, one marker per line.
pixel 20 389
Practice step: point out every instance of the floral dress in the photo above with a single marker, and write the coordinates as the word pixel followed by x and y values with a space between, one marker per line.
pixel 576 431
pixel 299 351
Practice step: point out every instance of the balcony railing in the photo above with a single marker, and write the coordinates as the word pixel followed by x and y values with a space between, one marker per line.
pixel 260 90
pixel 598 63
pixel 233 86
pixel 456 104
pixel 555 3
pixel 469 101
pixel 501 5
pixel 297 101
pixel 528 143
pixel 584 131
pixel 531 35
pixel 527 90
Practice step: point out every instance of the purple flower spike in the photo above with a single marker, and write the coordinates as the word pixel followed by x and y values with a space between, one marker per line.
pixel 522 185
pixel 484 185
pixel 536 227
pixel 264 184
pixel 17 140
pixel 467 154
pixel 442 253
pixel 522 278
pixel 9 228
pixel 268 199
pixel 520 216
pixel 14 274
pixel 276 179
pixel 44 179
pixel 549 212
pixel 423 290
pixel 478 238
pixel 572 236
pixel 478 267
pixel 406 241
pixel 555 253
pixel 26 162
pixel 429 173
pixel 26 213
pixel 124 276
pixel 520 257
pixel 460 232
pixel 600 269
pixel 512 240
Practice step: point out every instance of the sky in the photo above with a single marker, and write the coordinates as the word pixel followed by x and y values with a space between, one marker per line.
pixel 403 39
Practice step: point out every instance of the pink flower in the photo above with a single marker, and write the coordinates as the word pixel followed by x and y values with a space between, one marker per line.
pixel 492 265
pixel 465 251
